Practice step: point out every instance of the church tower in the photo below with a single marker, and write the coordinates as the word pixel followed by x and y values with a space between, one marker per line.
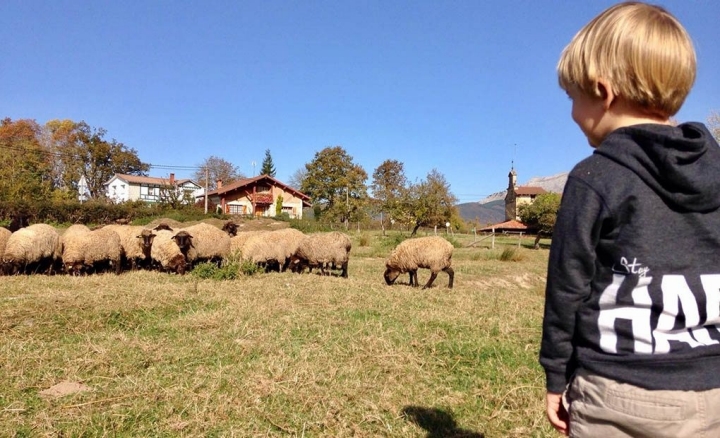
pixel 510 197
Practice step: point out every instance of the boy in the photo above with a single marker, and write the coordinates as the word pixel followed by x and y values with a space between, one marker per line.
pixel 631 332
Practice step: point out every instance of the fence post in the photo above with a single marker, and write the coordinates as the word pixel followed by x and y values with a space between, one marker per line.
pixel 492 245
pixel 520 239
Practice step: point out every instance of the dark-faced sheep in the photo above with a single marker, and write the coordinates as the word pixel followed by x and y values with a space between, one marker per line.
pixel 36 248
pixel 136 243
pixel 203 243
pixel 322 250
pixel 166 253
pixel 434 253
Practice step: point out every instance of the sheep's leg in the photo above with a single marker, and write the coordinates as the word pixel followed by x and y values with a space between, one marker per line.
pixel 451 275
pixel 433 275
pixel 344 270
pixel 413 278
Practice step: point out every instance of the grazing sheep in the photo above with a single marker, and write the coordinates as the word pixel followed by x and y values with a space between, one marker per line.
pixel 136 243
pixel 273 249
pixel 166 253
pixel 208 243
pixel 36 248
pixel 321 250
pixel 434 253
pixel 4 236
pixel 237 242
pixel 86 251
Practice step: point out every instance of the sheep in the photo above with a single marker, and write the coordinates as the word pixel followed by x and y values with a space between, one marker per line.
pixel 237 242
pixel 321 249
pixel 433 252
pixel 86 251
pixel 36 248
pixel 136 243
pixel 273 249
pixel 166 253
pixel 203 242
pixel 4 236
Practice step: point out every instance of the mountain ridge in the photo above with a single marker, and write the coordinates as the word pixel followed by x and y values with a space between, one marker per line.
pixel 491 209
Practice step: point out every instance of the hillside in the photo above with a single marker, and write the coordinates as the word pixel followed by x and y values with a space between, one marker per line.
pixel 491 210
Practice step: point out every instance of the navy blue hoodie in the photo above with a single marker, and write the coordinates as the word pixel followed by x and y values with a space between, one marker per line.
pixel 633 287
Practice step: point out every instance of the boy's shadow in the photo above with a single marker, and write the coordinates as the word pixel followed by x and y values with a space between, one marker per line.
pixel 437 423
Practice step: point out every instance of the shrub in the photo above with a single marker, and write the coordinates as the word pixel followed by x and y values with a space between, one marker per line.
pixel 510 254
pixel 364 240
pixel 210 271
pixel 247 267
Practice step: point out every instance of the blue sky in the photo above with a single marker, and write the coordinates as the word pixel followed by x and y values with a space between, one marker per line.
pixel 464 87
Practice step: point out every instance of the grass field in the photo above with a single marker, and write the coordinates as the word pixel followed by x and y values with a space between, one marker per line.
pixel 151 354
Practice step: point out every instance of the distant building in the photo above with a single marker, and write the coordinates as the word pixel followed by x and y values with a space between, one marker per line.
pixel 517 196
pixel 258 196
pixel 121 188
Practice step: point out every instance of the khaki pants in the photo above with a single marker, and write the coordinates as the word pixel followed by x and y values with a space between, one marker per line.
pixel 601 407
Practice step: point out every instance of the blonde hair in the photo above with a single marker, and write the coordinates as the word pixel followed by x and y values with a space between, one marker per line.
pixel 641 50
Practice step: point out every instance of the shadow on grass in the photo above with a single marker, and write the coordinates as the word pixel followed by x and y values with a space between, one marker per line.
pixel 437 423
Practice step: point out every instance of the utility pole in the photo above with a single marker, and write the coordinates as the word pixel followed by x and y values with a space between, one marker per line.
pixel 347 207
pixel 207 186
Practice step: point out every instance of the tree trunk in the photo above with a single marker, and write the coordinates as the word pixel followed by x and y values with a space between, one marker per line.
pixel 537 241
pixel 414 230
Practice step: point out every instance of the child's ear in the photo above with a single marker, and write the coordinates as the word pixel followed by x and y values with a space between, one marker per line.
pixel 606 93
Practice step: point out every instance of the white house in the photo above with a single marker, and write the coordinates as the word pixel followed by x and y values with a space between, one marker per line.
pixel 121 188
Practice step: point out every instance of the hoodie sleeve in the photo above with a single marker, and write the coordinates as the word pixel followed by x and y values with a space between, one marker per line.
pixel 571 268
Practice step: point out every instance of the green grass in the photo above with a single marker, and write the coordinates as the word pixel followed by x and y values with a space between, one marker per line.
pixel 280 354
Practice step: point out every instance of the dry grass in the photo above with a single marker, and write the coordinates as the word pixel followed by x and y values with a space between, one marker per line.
pixel 278 354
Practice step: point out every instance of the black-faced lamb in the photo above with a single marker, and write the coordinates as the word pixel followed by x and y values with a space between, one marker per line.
pixel 433 252
pixel 205 243
pixel 166 253
pixel 36 248
pixel 136 244
pixel 322 250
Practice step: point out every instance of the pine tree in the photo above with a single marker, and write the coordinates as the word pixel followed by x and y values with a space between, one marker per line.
pixel 268 168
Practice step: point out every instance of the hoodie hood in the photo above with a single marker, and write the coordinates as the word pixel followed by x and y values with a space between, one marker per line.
pixel 681 163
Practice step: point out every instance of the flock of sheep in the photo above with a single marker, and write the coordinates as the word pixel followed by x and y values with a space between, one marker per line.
pixel 39 248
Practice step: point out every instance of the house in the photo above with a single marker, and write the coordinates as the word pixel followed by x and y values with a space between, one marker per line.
pixel 258 196
pixel 517 196
pixel 121 188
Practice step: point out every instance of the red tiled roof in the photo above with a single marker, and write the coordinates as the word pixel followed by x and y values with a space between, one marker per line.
pixel 507 225
pixel 529 190
pixel 247 181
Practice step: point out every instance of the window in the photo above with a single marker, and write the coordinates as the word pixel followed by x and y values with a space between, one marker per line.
pixel 263 189
pixel 236 209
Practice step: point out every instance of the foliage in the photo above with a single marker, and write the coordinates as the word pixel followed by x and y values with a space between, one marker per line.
pixel 510 254
pixel 297 178
pixel 389 187
pixel 267 168
pixel 430 202
pixel 278 205
pixel 714 125
pixel 540 215
pixel 247 267
pixel 211 271
pixel 83 151
pixel 336 186
pixel 25 165
pixel 216 169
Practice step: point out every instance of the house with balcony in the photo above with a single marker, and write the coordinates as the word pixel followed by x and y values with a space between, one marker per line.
pixel 258 196
pixel 122 188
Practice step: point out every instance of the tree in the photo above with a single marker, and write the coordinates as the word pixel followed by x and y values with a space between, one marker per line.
pixel 217 169
pixel 336 186
pixel 297 178
pixel 25 165
pixel 541 214
pixel 83 151
pixel 714 125
pixel 430 202
pixel 267 167
pixel 389 187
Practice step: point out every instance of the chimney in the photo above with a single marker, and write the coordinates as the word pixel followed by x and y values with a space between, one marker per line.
pixel 172 179
pixel 219 183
